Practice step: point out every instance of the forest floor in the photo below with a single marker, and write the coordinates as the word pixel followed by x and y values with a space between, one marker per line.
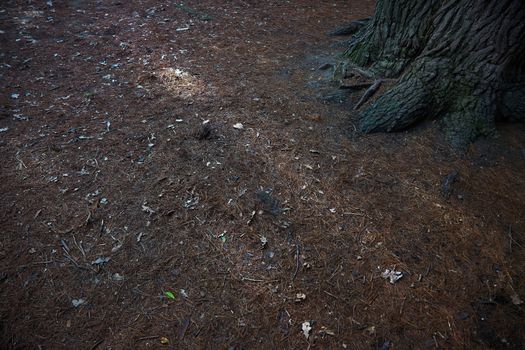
pixel 137 212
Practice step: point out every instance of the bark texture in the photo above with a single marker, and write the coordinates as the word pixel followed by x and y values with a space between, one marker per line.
pixel 462 61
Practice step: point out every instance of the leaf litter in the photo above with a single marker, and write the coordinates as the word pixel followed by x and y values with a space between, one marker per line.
pixel 290 175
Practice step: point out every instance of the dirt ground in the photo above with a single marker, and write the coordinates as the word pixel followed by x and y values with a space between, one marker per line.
pixel 185 177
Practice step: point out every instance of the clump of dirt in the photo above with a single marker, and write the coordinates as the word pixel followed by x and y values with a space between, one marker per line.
pixel 186 177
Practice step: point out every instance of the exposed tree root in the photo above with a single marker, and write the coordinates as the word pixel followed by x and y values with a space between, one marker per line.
pixel 397 109
pixel 355 87
pixel 350 28
pixel 467 74
pixel 368 93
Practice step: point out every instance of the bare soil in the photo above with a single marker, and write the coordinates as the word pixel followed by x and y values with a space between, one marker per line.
pixel 134 214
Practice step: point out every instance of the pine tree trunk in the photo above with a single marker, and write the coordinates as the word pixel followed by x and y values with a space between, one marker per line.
pixel 462 61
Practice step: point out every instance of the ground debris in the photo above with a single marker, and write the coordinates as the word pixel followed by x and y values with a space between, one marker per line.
pixel 371 330
pixel 264 241
pixel 385 346
pixel 306 327
pixel 205 132
pixel 392 275
pixel 147 209
pixel 191 203
pixel 101 261
pixel 326 331
pixel 120 108
pixel 450 179
pixel 270 204
pixel 78 302
pixel 516 300
pixel 299 297
pixel 117 277
pixel 200 15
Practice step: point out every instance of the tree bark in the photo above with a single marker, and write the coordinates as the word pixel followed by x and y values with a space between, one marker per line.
pixel 462 61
